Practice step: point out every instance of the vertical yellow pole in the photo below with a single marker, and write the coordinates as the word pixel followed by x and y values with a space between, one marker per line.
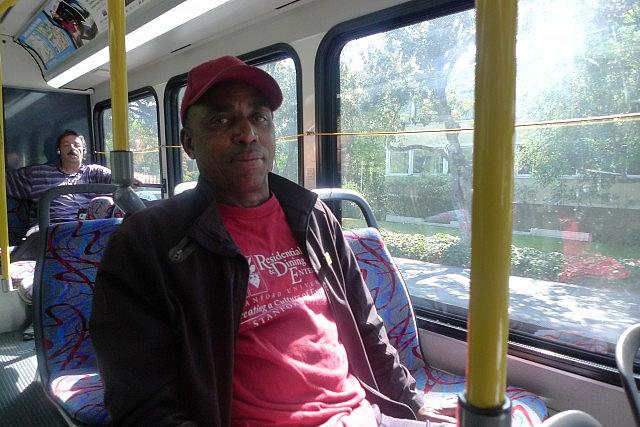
pixel 492 195
pixel 4 222
pixel 118 70
pixel 6 4
pixel 121 157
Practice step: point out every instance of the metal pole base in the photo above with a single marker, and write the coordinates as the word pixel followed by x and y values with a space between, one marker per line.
pixel 122 168
pixel 7 285
pixel 122 175
pixel 470 416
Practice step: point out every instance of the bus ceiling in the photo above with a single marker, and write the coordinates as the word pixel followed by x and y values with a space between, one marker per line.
pixel 67 40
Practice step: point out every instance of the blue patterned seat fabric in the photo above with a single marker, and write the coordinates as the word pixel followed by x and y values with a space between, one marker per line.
pixel 68 272
pixel 394 307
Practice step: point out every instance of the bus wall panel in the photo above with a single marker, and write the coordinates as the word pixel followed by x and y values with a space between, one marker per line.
pixel 18 66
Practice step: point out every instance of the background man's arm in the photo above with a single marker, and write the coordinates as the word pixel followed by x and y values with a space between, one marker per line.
pixel 19 184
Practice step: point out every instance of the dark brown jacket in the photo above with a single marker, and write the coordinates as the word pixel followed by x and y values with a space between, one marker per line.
pixel 168 300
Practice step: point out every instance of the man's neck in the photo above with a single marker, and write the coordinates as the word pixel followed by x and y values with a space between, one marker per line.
pixel 70 169
pixel 245 200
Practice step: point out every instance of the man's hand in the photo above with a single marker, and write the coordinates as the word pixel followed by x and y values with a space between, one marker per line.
pixel 439 410
pixel 135 183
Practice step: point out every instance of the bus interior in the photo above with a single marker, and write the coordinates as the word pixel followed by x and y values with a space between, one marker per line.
pixel 379 100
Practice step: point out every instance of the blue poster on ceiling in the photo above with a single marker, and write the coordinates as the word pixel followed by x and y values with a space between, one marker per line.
pixel 50 43
pixel 64 26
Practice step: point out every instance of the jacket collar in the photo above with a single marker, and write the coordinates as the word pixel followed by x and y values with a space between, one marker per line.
pixel 208 228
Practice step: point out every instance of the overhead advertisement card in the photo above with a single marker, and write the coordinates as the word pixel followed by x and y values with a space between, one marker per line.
pixel 64 26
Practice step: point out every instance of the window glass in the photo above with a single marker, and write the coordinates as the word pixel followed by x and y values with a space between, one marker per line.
pixel 188 165
pixel 285 122
pixel 398 162
pixel 408 93
pixel 143 142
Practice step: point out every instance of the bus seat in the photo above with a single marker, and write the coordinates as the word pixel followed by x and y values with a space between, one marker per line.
pixel 22 279
pixel 103 207
pixel 65 276
pixel 394 307
pixel 626 351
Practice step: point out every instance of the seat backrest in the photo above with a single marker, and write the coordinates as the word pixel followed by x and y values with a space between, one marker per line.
pixel 65 276
pixel 103 207
pixel 18 219
pixel 389 293
pixel 626 350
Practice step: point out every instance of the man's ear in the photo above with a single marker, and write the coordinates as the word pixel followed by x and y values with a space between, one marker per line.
pixel 187 142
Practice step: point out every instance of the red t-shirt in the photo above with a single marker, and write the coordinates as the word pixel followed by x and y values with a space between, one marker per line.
pixel 290 366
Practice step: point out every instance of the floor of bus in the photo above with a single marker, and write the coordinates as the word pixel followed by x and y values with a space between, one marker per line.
pixel 22 400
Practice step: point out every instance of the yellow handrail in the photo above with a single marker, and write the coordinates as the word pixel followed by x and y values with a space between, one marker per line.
pixel 118 70
pixel 488 321
pixel 4 222
pixel 6 4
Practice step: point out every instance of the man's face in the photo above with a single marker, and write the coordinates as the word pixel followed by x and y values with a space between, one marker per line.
pixel 230 133
pixel 71 150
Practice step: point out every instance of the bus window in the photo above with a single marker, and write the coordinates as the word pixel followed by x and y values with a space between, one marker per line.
pixel 188 165
pixel 406 118
pixel 351 215
pixel 143 141
pixel 285 122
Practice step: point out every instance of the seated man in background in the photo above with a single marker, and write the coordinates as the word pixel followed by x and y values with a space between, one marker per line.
pixel 31 182
pixel 239 302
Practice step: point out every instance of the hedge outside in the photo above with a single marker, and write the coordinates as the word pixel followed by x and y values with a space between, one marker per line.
pixel 445 249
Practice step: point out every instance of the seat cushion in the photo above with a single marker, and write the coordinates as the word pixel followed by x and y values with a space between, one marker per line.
pixel 81 394
pixel 392 301
pixel 68 274
pixel 527 409
pixel 22 278
pixel 389 293
pixel 100 207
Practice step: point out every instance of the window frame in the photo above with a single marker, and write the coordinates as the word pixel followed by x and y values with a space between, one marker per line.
pixel 261 56
pixel 430 317
pixel 98 125
pixel 327 70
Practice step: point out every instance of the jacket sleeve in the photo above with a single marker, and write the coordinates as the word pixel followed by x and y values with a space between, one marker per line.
pixel 393 379
pixel 18 184
pixel 131 331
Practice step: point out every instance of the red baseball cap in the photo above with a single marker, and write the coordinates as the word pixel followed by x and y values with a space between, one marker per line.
pixel 203 77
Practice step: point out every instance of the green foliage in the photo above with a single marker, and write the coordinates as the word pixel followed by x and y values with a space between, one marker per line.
pixel 366 171
pixel 285 118
pixel 441 248
pixel 404 79
pixel 143 138
pixel 534 263
pixel 418 196
pixel 601 78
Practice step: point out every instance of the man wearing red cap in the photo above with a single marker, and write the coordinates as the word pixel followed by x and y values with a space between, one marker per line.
pixel 239 302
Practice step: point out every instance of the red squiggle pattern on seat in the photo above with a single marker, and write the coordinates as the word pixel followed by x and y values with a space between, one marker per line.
pixel 392 301
pixel 68 273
